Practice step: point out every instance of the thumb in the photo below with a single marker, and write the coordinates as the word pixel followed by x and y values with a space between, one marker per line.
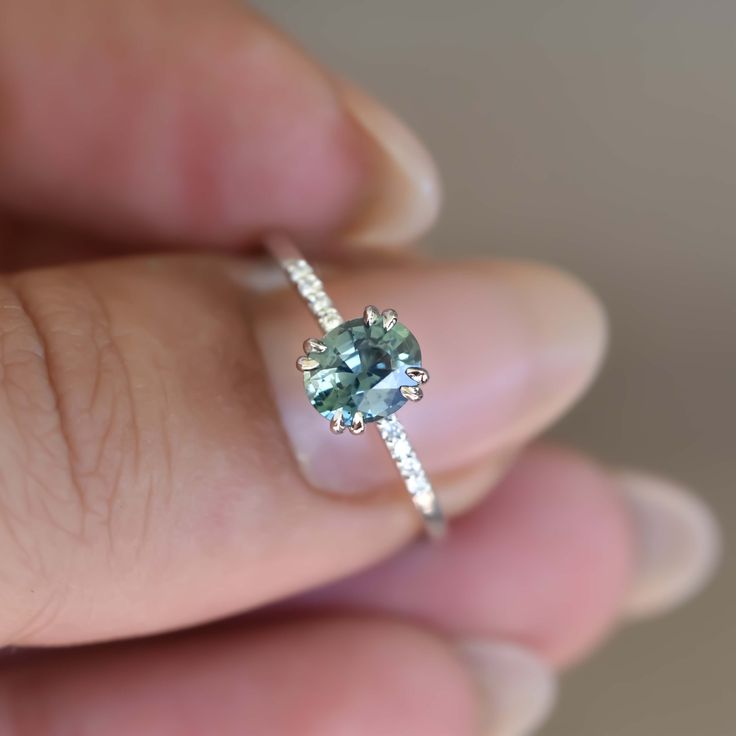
pixel 161 466
pixel 195 121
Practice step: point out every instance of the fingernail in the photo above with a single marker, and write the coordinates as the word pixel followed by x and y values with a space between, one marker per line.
pixel 507 346
pixel 678 544
pixel 518 690
pixel 405 200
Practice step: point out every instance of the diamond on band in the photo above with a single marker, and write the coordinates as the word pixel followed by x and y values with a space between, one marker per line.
pixel 396 371
pixel 420 489
pixel 307 283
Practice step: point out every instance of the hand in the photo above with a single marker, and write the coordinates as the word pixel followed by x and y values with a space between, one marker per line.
pixel 161 468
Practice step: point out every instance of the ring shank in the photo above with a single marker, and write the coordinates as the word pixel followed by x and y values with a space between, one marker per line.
pixel 392 432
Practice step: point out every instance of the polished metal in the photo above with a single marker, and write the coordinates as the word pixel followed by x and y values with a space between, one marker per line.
pixel 390 318
pixel 313 345
pixel 420 375
pixel 371 315
pixel 305 363
pixel 412 393
pixel 336 423
pixel 358 424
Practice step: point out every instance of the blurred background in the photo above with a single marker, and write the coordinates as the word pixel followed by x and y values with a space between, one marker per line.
pixel 600 136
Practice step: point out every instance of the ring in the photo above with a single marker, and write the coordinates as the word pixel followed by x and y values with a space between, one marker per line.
pixel 361 372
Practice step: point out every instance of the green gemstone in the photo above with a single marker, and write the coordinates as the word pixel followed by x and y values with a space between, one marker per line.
pixel 362 369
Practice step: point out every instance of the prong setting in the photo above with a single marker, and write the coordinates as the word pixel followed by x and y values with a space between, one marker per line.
pixel 305 363
pixel 411 393
pixel 349 361
pixel 390 318
pixel 313 345
pixel 420 375
pixel 358 424
pixel 371 315
pixel 337 425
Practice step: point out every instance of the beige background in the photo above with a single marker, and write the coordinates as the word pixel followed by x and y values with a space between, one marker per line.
pixel 600 136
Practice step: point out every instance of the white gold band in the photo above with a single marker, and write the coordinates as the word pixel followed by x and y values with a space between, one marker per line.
pixel 312 290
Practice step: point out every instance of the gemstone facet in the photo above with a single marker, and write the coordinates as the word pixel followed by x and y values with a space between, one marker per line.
pixel 362 369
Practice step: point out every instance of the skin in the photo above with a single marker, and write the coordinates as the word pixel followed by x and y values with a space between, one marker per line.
pixel 148 483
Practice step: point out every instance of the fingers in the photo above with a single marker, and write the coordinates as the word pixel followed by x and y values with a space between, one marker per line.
pixel 324 676
pixel 550 560
pixel 564 547
pixel 195 122
pixel 148 478
pixel 544 561
pixel 320 678
pixel 679 543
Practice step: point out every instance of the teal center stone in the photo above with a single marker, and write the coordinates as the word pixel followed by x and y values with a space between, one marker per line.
pixel 363 369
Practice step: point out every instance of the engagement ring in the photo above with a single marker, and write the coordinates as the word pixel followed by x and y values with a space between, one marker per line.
pixel 361 372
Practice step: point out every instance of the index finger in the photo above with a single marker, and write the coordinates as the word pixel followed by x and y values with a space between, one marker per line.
pixel 194 122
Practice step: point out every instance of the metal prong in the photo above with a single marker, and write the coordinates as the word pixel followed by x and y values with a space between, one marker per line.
pixel 313 345
pixel 418 374
pixel 336 424
pixel 303 363
pixel 390 318
pixel 371 315
pixel 358 425
pixel 413 393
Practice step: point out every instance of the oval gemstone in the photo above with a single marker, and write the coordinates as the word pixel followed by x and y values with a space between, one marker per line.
pixel 362 369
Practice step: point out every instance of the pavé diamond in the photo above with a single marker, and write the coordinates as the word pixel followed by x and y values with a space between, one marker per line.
pixel 362 370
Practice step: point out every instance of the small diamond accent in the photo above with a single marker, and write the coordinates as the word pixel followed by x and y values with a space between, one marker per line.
pixel 310 286
pixel 402 453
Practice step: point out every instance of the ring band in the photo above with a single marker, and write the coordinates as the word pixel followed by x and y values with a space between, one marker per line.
pixel 392 432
